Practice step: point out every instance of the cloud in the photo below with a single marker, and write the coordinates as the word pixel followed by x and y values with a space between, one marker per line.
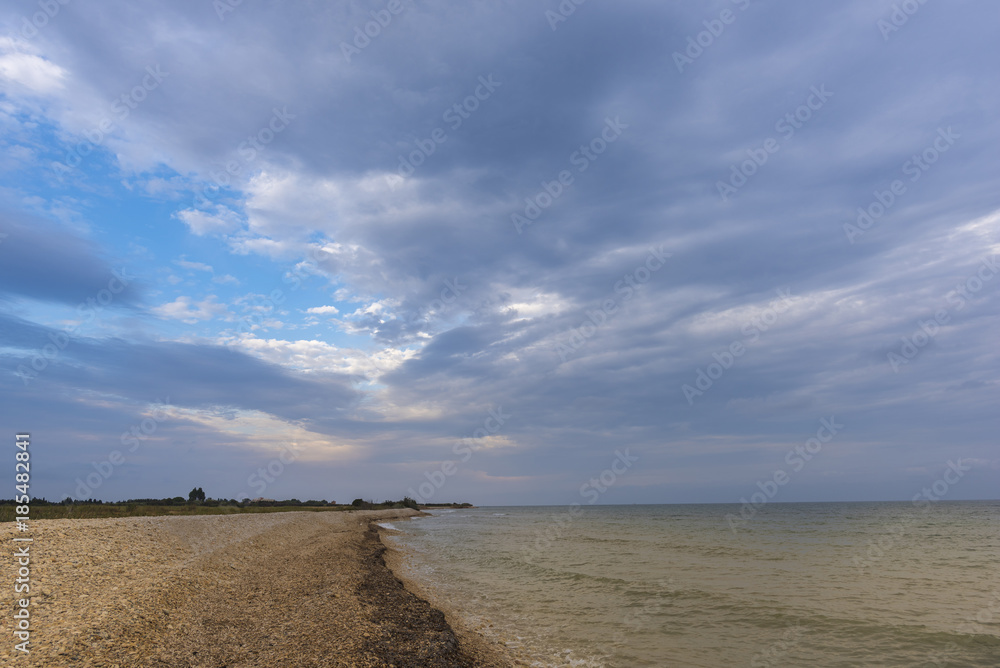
pixel 191 312
pixel 319 356
pixel 323 310
pixel 32 72
pixel 444 310
pixel 192 375
pixel 194 266
pixel 48 262
pixel 219 220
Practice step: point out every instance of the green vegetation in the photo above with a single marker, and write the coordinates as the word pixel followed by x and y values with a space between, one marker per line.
pixel 407 502
pixel 196 504
pixel 42 509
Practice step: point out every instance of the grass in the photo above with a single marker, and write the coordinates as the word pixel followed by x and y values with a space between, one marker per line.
pixel 87 510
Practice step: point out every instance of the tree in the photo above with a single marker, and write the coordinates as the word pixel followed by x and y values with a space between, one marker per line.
pixel 196 494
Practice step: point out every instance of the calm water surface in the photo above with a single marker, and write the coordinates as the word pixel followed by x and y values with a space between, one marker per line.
pixel 812 584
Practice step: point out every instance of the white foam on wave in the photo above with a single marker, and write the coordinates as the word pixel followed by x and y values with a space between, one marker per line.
pixel 387 525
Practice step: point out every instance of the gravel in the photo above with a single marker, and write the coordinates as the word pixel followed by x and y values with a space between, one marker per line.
pixel 285 589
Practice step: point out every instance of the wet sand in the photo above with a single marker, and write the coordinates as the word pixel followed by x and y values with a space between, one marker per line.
pixel 279 589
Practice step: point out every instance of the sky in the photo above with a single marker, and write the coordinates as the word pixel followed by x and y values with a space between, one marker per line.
pixel 502 252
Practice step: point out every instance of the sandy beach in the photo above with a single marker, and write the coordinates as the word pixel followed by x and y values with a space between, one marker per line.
pixel 277 589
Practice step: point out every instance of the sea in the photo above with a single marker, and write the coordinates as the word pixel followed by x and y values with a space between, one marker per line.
pixel 794 584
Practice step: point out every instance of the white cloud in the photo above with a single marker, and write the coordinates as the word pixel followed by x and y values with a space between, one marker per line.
pixel 377 308
pixel 532 303
pixel 323 310
pixel 222 221
pixel 32 72
pixel 319 356
pixel 189 312
pixel 228 279
pixel 196 266
pixel 261 431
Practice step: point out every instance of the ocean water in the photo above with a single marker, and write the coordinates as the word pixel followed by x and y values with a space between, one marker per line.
pixel 810 584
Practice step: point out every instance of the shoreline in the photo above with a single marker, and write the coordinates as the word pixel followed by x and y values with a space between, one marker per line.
pixel 404 604
pixel 490 652
pixel 289 589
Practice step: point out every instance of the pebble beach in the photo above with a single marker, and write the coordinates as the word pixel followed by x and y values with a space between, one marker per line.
pixel 271 589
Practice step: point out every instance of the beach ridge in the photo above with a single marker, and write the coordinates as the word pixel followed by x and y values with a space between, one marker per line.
pixel 282 589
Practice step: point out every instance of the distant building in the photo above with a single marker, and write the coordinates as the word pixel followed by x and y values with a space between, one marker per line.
pixel 261 499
